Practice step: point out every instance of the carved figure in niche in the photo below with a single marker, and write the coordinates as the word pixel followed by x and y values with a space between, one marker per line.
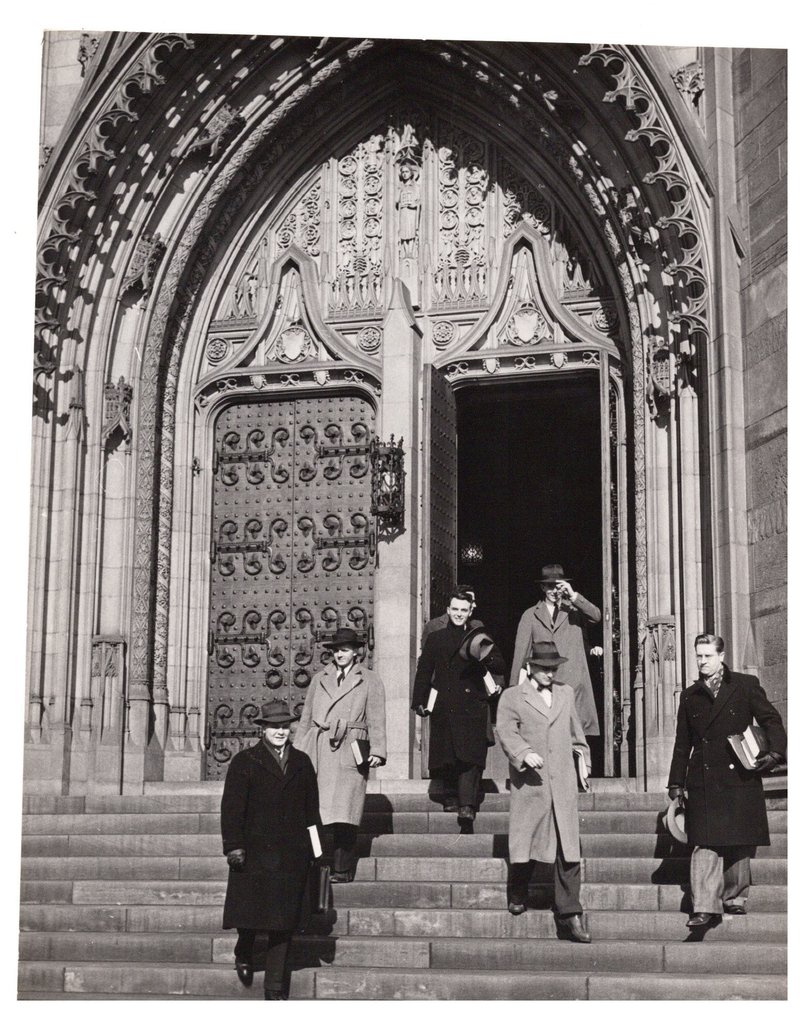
pixel 408 205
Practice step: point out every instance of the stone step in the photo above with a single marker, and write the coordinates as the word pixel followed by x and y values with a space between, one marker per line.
pixel 536 923
pixel 535 954
pixel 165 896
pixel 125 981
pixel 449 869
pixel 139 845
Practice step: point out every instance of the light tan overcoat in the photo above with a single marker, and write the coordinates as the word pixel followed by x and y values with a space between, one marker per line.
pixel 332 717
pixel 545 798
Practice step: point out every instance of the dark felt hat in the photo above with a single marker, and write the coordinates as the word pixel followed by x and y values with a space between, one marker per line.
pixel 477 645
pixel 343 637
pixel 544 655
pixel 274 713
pixel 551 573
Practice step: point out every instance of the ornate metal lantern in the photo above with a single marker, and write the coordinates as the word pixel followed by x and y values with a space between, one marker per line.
pixel 472 554
pixel 388 481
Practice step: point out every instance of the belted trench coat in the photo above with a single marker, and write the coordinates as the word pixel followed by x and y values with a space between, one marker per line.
pixel 332 717
pixel 545 799
pixel 724 802
pixel 536 626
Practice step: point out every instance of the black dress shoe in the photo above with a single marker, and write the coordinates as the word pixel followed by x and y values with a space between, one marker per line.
pixel 734 909
pixel 244 971
pixel 572 927
pixel 466 812
pixel 700 919
pixel 274 994
pixel 516 909
pixel 341 877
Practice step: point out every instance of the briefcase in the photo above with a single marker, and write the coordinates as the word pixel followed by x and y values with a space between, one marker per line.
pixel 320 887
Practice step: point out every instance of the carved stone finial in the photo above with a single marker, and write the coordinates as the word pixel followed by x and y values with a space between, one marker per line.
pixel 87 47
pixel 117 414
pixel 690 82
pixel 145 262
pixel 45 151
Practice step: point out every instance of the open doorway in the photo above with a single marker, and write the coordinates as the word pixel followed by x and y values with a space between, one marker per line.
pixel 530 493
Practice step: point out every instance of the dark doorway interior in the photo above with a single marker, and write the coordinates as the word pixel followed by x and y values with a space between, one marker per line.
pixel 529 493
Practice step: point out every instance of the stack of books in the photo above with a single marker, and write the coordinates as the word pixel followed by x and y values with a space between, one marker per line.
pixel 748 745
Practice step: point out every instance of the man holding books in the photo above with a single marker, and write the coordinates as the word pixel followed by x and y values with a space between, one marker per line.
pixel 460 726
pixel 726 816
pixel 270 826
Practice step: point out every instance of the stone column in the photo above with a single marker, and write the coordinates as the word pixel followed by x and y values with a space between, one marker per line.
pixel 396 576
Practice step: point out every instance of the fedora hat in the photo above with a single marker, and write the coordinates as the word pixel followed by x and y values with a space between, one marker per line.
pixel 274 713
pixel 675 819
pixel 343 637
pixel 477 645
pixel 551 573
pixel 544 654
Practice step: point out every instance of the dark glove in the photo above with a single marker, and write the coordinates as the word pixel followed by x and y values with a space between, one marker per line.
pixel 420 709
pixel 767 762
pixel 675 791
pixel 236 859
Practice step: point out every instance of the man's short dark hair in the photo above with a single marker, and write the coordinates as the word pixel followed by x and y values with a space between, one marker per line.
pixel 464 589
pixel 462 595
pixel 710 638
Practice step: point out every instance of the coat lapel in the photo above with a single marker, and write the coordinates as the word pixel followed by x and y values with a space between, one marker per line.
pixel 534 699
pixel 265 759
pixel 726 690
pixel 559 699
pixel 328 682
pixel 561 617
pixel 541 613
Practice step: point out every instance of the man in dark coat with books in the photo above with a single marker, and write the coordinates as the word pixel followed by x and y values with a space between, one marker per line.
pixel 726 816
pixel 460 728
pixel 270 817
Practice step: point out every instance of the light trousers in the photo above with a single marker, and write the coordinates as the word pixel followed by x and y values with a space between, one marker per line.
pixel 720 875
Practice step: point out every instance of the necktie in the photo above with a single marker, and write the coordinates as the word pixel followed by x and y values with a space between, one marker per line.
pixel 340 677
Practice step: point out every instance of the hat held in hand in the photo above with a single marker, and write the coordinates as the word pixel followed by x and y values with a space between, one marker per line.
pixel 675 819
pixel 477 645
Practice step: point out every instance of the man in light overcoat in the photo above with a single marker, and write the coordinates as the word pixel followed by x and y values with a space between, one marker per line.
pixel 559 618
pixel 345 702
pixel 539 730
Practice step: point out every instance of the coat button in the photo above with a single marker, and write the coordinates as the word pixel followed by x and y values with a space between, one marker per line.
pixel 730 766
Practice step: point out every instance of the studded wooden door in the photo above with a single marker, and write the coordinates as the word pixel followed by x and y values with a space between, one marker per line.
pixel 292 556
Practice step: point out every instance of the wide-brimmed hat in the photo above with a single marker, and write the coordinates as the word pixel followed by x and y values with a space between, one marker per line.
pixel 544 654
pixel 675 820
pixel 551 573
pixel 477 645
pixel 274 713
pixel 343 637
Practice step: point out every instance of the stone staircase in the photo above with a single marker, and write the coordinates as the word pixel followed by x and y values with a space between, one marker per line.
pixel 122 898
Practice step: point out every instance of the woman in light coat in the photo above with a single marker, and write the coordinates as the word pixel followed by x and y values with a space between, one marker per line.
pixel 539 730
pixel 345 702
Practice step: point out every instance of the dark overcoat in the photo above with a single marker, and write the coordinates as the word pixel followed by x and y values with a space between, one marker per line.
pixel 267 812
pixel 724 802
pixel 566 633
pixel 459 724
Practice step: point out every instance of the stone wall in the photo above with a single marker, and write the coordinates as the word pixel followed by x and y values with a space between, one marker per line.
pixel 761 147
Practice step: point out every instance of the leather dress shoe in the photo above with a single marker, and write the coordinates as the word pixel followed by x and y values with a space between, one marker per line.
pixel 700 919
pixel 274 994
pixel 734 909
pixel 515 908
pixel 450 807
pixel 342 877
pixel 573 928
pixel 466 812
pixel 244 971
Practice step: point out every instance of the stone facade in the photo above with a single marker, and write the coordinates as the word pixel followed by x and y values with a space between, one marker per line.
pixel 317 225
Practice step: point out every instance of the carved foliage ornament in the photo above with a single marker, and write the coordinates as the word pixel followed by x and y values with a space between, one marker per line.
pixel 146 259
pixel 117 410
pixel 217 134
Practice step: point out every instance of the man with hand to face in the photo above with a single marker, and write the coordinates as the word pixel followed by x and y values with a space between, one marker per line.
pixel 726 816
pixel 460 727
pixel 539 729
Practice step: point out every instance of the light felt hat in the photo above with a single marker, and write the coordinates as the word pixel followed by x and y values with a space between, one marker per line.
pixel 675 819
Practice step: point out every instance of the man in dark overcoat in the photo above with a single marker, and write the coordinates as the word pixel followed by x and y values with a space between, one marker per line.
pixel 269 803
pixel 459 728
pixel 726 816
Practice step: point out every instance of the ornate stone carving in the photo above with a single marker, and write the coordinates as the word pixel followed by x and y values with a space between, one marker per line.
pixel 87 47
pixel 117 411
pixel 443 333
pixel 302 225
pixel 216 350
pixel 690 82
pixel 660 379
pixel 605 319
pixel 108 682
pixel 523 201
pixel 408 193
pixel 526 326
pixel 216 135
pixel 146 259
pixel 369 339
pixel 294 343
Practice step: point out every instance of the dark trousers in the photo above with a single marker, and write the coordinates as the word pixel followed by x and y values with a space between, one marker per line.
pixel 462 782
pixel 344 846
pixel 277 953
pixel 567 881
